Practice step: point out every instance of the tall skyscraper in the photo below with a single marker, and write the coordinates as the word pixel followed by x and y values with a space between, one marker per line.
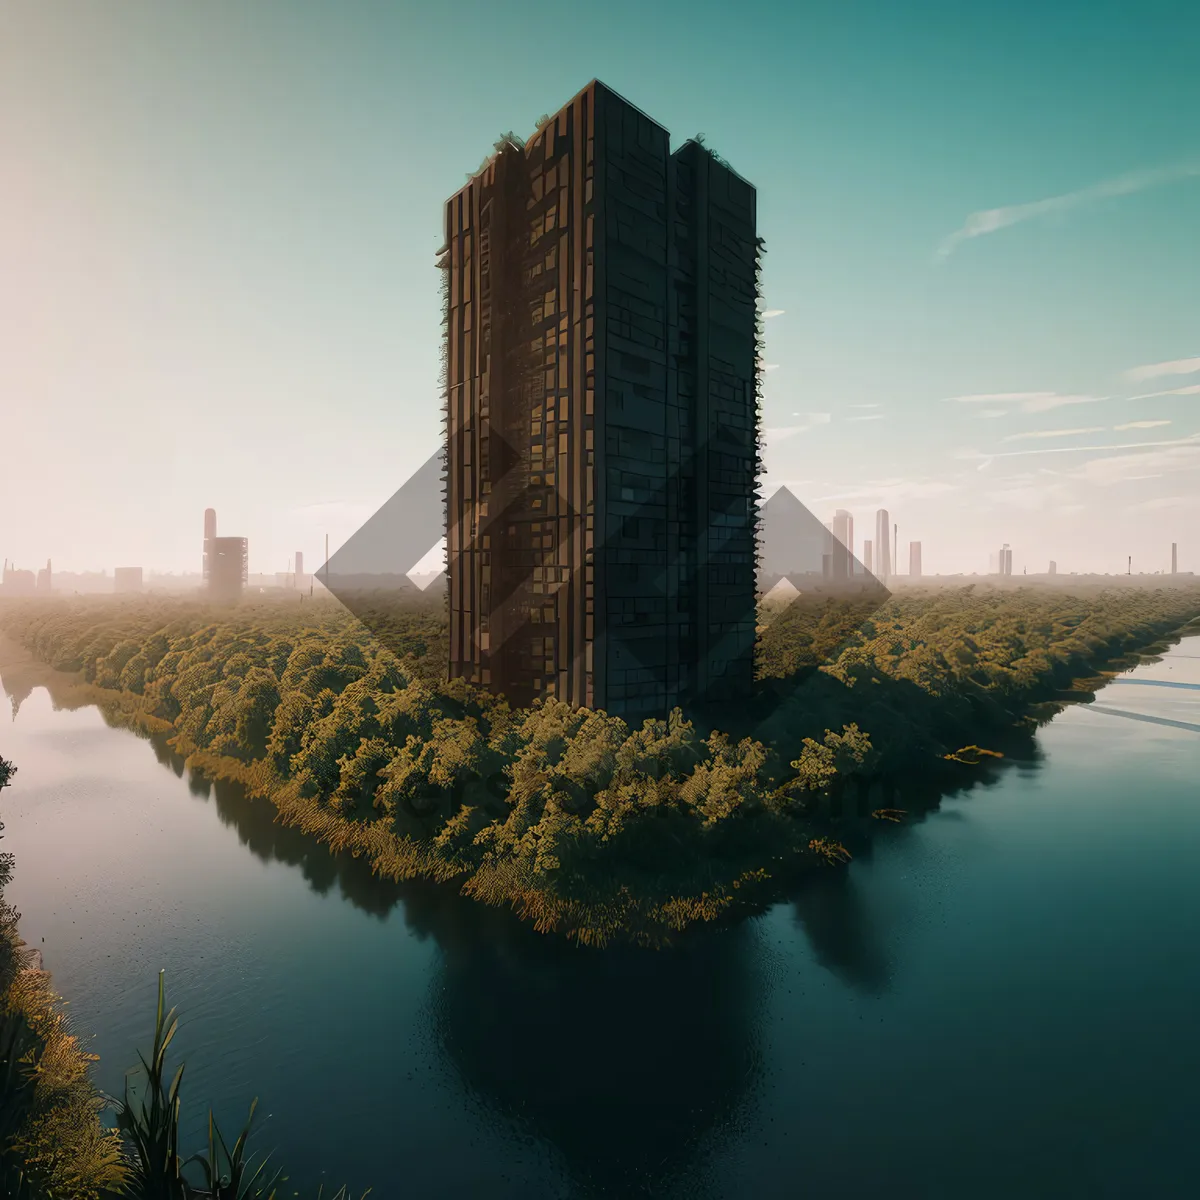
pixel 843 546
pixel 914 559
pixel 883 542
pixel 1174 558
pixel 1053 567
pixel 601 355
pixel 868 555
pixel 1006 560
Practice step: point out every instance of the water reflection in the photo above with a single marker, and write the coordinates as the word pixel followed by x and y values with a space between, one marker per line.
pixel 669 1047
pixel 632 1065
pixel 839 929
pixel 627 1062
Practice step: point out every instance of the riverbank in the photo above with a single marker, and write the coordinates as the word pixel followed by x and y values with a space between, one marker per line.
pixel 52 1142
pixel 594 831
pixel 981 959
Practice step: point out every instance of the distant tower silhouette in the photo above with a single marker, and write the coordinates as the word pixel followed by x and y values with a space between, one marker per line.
pixel 210 535
pixel 1053 567
pixel 868 554
pixel 883 540
pixel 914 559
pixel 299 566
pixel 1174 558
pixel 843 548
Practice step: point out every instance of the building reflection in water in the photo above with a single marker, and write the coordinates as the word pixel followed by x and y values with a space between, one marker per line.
pixel 629 1063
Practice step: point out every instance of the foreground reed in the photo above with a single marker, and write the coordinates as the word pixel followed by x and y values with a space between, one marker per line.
pixel 150 1126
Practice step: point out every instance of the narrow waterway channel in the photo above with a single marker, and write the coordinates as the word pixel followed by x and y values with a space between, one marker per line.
pixel 998 1000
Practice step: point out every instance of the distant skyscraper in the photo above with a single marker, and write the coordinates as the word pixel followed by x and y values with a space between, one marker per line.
pixel 868 554
pixel 1007 561
pixel 1174 558
pixel 1053 567
pixel 843 548
pixel 299 566
pixel 127 579
pixel 883 541
pixel 914 559
pixel 210 533
pixel 227 568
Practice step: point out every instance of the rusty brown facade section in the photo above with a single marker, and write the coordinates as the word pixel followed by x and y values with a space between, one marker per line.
pixel 601 417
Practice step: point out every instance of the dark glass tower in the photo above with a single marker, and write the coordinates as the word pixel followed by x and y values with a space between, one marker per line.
pixel 602 416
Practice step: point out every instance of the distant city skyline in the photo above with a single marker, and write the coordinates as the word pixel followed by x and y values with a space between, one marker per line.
pixel 981 299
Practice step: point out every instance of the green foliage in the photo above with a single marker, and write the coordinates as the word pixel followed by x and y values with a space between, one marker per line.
pixel 52 1144
pixel 579 822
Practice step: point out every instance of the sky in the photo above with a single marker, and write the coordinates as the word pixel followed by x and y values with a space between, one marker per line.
pixel 218 224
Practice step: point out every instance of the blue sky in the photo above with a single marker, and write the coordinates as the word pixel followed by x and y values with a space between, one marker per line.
pixel 217 226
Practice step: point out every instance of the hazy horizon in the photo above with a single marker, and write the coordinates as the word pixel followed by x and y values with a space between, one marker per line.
pixel 218 225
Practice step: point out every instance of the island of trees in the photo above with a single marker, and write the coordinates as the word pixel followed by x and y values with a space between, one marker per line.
pixel 581 824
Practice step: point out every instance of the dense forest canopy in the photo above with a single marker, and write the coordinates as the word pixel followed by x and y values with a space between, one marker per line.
pixel 581 823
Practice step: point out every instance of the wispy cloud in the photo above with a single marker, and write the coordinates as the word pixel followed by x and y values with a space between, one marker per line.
pixel 334 509
pixel 1034 497
pixel 990 414
pixel 990 220
pixel 1193 389
pixel 869 417
pixel 1178 366
pixel 864 406
pixel 1160 503
pixel 971 455
pixel 1055 433
pixel 1165 458
pixel 1029 402
pixel 783 432
pixel 890 491
pixel 1139 425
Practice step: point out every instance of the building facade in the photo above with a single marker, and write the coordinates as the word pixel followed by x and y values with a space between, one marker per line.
pixel 228 567
pixel 914 559
pixel 883 544
pixel 602 416
pixel 127 579
pixel 843 545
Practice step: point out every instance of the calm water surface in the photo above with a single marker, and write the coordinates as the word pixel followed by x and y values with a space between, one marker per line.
pixel 999 1000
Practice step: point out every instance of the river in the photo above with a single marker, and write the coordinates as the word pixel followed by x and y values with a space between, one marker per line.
pixel 999 999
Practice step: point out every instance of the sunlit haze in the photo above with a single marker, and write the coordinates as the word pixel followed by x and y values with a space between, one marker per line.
pixel 218 225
